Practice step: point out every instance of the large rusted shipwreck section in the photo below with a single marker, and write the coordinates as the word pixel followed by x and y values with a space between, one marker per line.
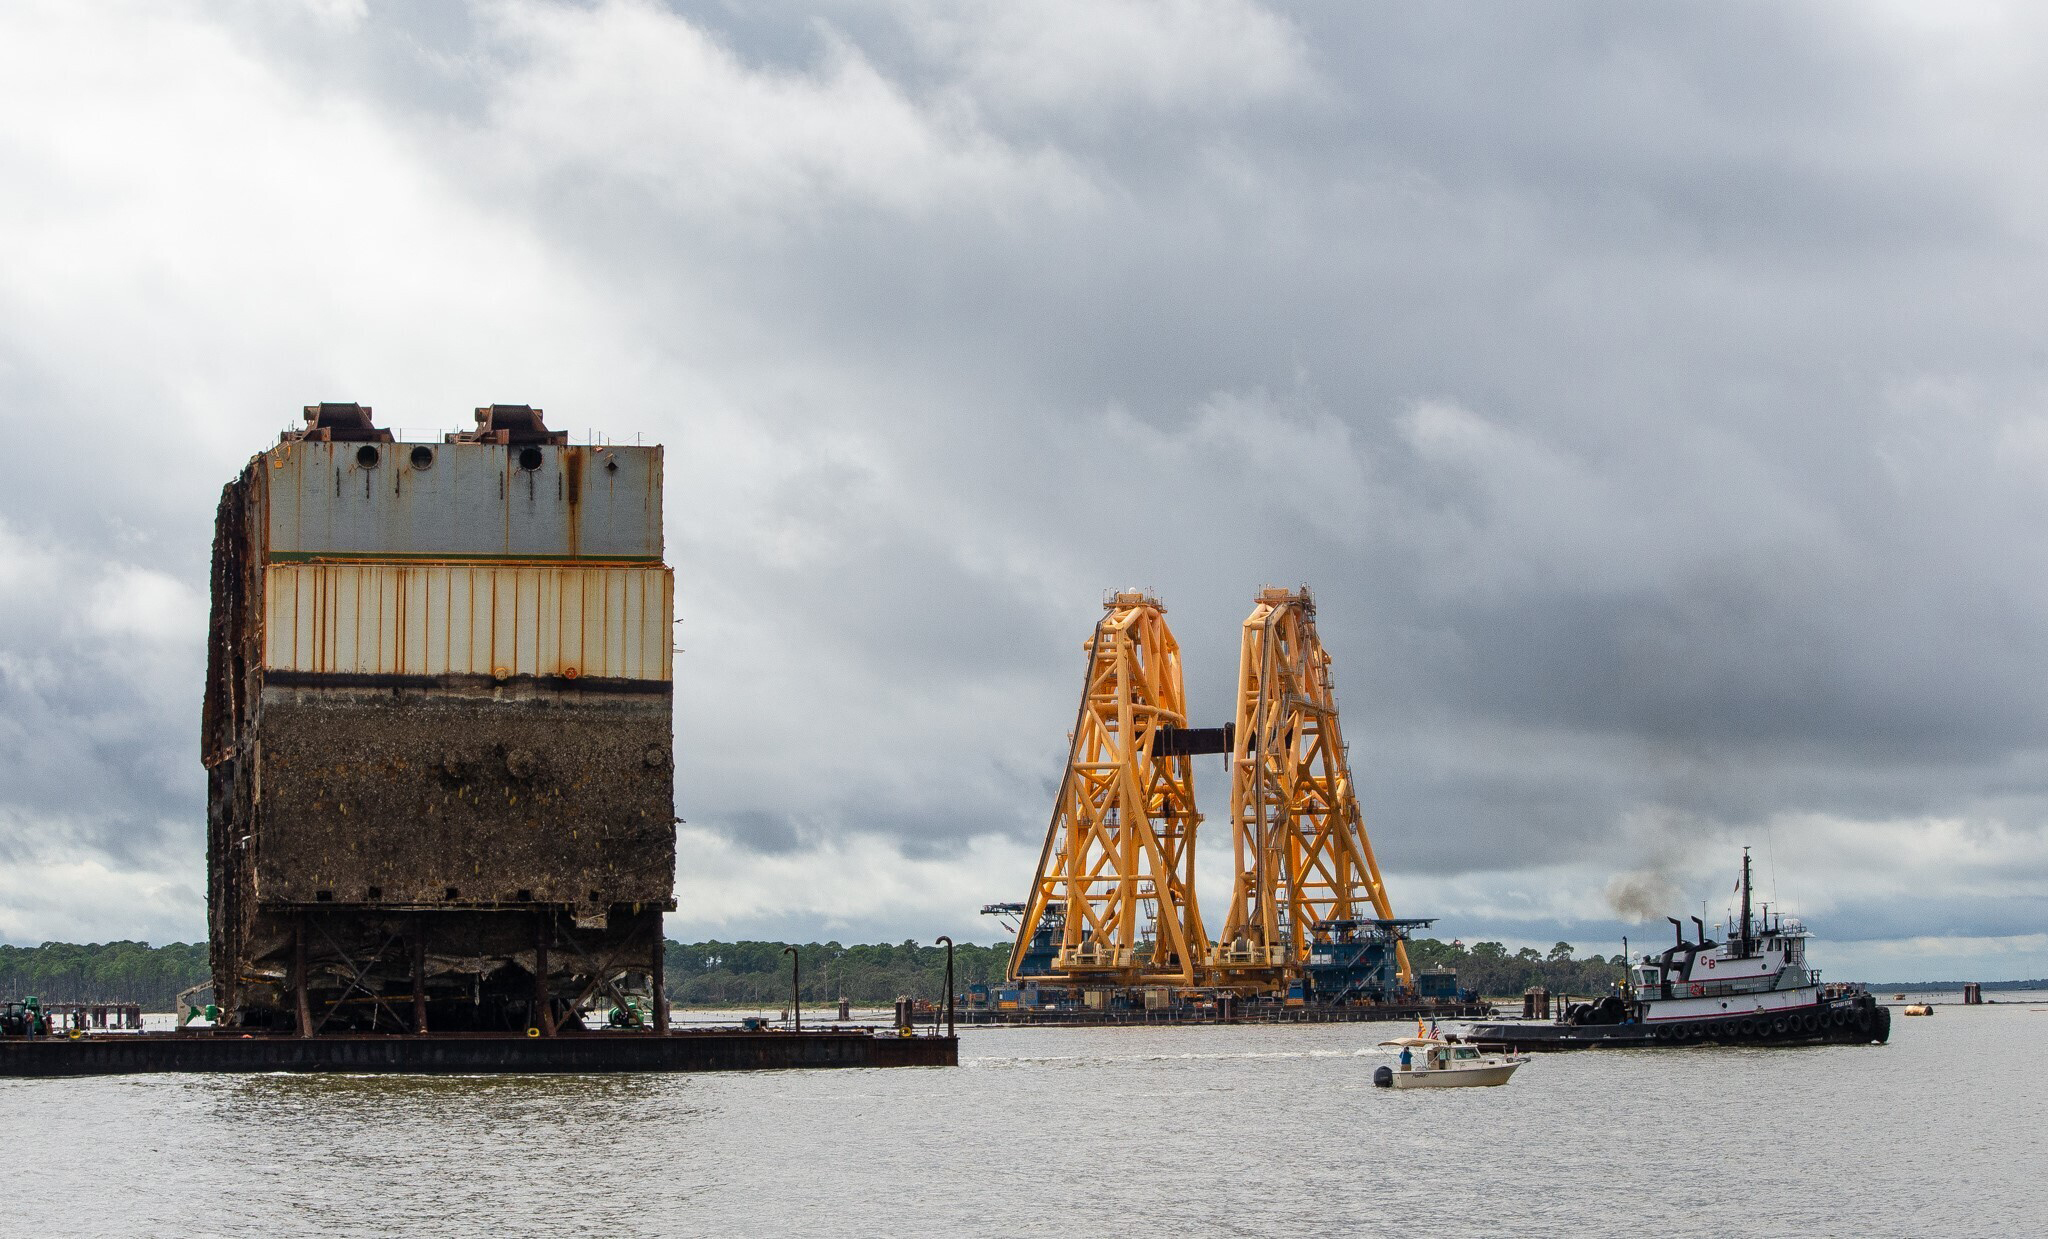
pixel 437 730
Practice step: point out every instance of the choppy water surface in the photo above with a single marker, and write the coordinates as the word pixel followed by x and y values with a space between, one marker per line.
pixel 1195 1131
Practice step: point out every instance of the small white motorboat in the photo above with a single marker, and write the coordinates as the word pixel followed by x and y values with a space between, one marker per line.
pixel 1430 1062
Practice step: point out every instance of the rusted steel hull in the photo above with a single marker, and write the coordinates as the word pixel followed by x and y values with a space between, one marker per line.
pixel 549 621
pixel 430 796
pixel 438 731
pixel 476 1054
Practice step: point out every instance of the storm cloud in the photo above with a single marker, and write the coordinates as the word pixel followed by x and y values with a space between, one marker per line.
pixel 1652 397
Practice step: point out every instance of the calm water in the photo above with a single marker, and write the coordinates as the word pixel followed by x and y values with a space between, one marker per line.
pixel 1198 1131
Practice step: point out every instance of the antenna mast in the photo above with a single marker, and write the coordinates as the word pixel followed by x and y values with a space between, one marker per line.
pixel 1745 904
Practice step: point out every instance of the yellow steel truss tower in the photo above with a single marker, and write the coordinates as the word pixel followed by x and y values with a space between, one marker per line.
pixel 1302 852
pixel 1118 864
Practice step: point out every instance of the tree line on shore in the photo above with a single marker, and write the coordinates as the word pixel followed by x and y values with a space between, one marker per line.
pixel 742 974
pixel 756 974
pixel 717 974
pixel 1495 972
pixel 103 972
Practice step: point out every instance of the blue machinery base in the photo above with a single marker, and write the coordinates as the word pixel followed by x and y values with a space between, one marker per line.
pixel 469 1054
pixel 1249 1013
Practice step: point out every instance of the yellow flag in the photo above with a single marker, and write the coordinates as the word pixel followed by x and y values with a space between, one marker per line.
pixel 1418 1027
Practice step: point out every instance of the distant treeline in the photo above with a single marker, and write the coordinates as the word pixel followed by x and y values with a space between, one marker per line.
pixel 757 973
pixel 699 973
pixel 1495 972
pixel 1921 987
pixel 732 974
pixel 103 972
pixel 722 974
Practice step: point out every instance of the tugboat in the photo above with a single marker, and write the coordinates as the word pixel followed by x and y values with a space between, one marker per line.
pixel 1752 989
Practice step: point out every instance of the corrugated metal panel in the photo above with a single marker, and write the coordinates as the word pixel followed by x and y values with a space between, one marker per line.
pixel 464 619
pixel 468 499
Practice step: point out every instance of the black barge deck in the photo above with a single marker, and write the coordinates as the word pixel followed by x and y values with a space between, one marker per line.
pixel 469 1053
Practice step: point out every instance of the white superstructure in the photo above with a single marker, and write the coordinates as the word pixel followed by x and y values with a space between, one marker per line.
pixel 1758 970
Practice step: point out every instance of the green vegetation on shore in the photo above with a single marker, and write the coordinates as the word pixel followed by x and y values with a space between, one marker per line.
pixel 756 974
pixel 1922 987
pixel 718 974
pixel 103 972
pixel 1495 972
pixel 705 974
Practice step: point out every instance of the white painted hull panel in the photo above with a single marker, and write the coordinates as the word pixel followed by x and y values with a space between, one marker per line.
pixel 1456 1077
pixel 1733 1006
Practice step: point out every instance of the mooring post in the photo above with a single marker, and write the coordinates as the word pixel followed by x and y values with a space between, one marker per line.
pixel 419 980
pixel 949 983
pixel 658 979
pixel 299 975
pixel 796 989
pixel 544 1019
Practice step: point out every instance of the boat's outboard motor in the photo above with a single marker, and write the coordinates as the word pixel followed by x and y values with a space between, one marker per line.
pixel 1383 1077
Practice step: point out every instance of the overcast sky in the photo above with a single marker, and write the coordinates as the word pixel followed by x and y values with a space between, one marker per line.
pixel 1653 397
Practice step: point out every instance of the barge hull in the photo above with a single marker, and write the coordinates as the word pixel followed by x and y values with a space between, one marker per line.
pixel 1845 1024
pixel 479 1054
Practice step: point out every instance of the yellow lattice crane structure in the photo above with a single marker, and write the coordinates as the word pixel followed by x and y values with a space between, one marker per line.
pixel 1116 879
pixel 1303 859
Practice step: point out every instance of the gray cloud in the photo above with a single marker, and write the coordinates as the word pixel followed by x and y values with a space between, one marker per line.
pixel 1650 397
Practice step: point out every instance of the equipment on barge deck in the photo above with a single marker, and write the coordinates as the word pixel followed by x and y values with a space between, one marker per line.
pixel 437 730
pixel 1305 869
pixel 1119 856
pixel 24 1017
pixel 1113 909
pixel 1358 961
pixel 1754 988
pixel 1045 942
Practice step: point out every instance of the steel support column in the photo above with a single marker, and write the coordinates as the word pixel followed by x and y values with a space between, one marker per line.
pixel 544 1017
pixel 299 976
pixel 419 980
pixel 657 979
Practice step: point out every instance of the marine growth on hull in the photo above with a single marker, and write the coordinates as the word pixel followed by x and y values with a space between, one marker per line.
pixel 437 726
